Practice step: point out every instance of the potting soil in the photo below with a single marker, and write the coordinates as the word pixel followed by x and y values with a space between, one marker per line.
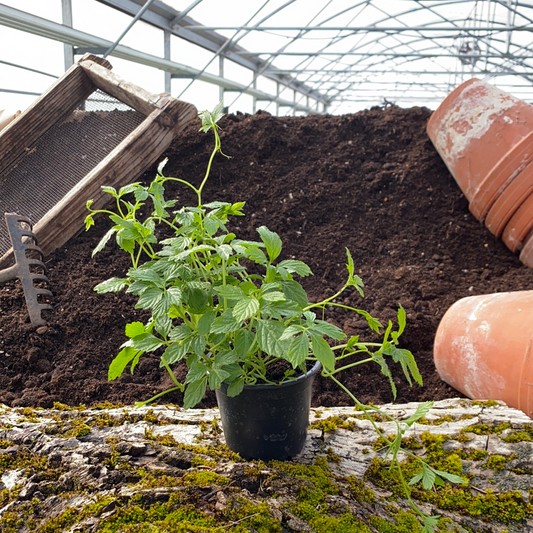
pixel 371 182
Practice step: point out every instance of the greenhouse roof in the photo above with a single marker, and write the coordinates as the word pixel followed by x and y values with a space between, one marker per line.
pixel 301 56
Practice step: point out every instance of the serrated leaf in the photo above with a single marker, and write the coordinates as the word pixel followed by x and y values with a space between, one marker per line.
pixel 330 330
pixel 407 362
pixel 103 241
pixel 198 345
pixel 111 285
pixel 235 387
pixel 147 342
pixel 205 322
pixel 163 325
pixel 295 292
pixel 120 362
pixel 243 341
pixel 298 350
pixel 180 332
pixel 175 352
pixel 268 338
pixel 133 329
pixel 274 296
pixel 421 410
pixel 194 393
pixel 216 377
pixel 323 352
pixel 230 292
pixel 271 241
pixel 290 332
pixel 295 267
pixel 225 323
pixel 452 478
pixel 149 299
pixel 245 309
pixel 146 274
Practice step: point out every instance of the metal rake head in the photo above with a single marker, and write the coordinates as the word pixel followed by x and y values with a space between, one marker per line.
pixel 27 268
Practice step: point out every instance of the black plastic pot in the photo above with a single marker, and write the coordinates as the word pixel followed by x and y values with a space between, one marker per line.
pixel 268 421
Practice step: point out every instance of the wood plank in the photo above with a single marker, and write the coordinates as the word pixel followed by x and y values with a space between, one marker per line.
pixel 54 104
pixel 122 90
pixel 137 152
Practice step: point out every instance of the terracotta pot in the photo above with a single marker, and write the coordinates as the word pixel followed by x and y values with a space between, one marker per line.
pixel 476 130
pixel 483 348
pixel 516 165
pixel 519 226
pixel 526 255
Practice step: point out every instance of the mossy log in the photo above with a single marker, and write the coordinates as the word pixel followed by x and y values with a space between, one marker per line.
pixel 162 469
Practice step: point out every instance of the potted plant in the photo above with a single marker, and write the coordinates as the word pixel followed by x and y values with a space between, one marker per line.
pixel 239 318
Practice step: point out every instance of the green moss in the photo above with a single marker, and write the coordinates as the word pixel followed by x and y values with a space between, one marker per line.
pixel 485 429
pixel 485 403
pixel 525 434
pixel 498 462
pixel 346 523
pixel 360 491
pixel 247 516
pixel 472 455
pixel 329 424
pixel 204 479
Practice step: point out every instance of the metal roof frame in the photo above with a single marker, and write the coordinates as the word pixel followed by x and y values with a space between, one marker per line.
pixel 395 47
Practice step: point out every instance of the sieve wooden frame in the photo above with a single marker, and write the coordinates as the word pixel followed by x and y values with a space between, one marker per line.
pixel 165 116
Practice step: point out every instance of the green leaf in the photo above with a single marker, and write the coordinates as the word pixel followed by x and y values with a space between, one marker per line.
pixel 216 377
pixel 175 352
pixel 295 292
pixel 295 267
pixel 163 325
pixel 235 387
pixel 225 323
pixel 111 285
pixel 120 362
pixel 243 342
pixel 103 241
pixel 245 309
pixel 452 478
pixel 230 292
pixel 323 352
pixel 268 338
pixel 272 242
pixel 205 322
pixel 198 345
pixel 408 363
pixel 133 329
pixel 147 342
pixel 109 190
pixel 325 328
pixel 298 350
pixel 149 299
pixel 225 251
pixel 194 393
pixel 174 296
pixel 146 274
pixel 421 410
pixel 274 296
pixel 430 523
pixel 180 332
pixel 196 298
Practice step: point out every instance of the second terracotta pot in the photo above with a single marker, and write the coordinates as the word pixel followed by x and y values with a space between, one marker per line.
pixel 479 131
pixel 483 348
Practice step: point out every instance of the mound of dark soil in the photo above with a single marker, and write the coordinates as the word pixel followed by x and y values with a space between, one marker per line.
pixel 370 181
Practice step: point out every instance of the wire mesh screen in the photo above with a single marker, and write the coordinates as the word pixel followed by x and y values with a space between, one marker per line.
pixel 48 169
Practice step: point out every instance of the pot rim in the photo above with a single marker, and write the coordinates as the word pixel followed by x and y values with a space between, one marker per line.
pixel 266 386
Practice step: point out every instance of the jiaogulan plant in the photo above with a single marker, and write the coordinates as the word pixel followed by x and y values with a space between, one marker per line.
pixel 227 322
